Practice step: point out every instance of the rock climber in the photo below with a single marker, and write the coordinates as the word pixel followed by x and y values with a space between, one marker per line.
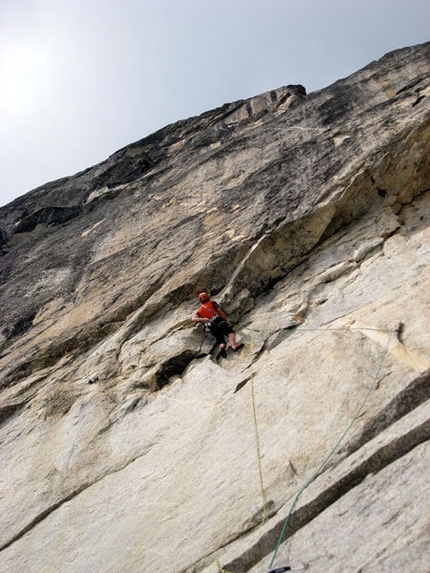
pixel 215 321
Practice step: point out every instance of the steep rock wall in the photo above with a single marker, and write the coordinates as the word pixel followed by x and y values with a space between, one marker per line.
pixel 125 444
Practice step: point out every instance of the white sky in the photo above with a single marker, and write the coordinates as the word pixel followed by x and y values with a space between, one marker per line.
pixel 79 79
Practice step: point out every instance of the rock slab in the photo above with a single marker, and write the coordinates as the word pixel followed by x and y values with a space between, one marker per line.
pixel 125 444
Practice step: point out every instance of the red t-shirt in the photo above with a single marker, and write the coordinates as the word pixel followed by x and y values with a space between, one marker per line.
pixel 208 310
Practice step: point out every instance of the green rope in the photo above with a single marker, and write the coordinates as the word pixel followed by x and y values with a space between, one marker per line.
pixel 334 449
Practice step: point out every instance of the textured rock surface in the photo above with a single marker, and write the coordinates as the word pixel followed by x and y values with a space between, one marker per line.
pixel 125 446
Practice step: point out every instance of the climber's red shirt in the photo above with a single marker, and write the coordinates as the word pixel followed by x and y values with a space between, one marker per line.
pixel 208 310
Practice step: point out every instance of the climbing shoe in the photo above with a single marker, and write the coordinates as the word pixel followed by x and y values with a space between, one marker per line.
pixel 222 353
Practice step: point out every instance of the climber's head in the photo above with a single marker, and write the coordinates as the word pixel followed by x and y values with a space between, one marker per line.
pixel 204 297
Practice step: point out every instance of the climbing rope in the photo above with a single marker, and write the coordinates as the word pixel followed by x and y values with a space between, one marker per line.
pixel 220 569
pixel 257 439
pixel 257 447
pixel 332 452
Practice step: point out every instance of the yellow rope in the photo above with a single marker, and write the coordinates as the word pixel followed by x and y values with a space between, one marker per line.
pixel 220 569
pixel 257 439
pixel 257 443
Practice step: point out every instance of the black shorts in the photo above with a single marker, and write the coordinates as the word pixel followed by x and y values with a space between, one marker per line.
pixel 219 328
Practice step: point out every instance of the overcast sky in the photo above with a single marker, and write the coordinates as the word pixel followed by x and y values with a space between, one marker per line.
pixel 79 79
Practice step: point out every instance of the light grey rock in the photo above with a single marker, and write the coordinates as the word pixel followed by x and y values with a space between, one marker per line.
pixel 327 490
pixel 125 445
pixel 389 530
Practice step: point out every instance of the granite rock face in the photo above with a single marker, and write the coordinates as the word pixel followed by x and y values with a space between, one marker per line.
pixel 125 444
